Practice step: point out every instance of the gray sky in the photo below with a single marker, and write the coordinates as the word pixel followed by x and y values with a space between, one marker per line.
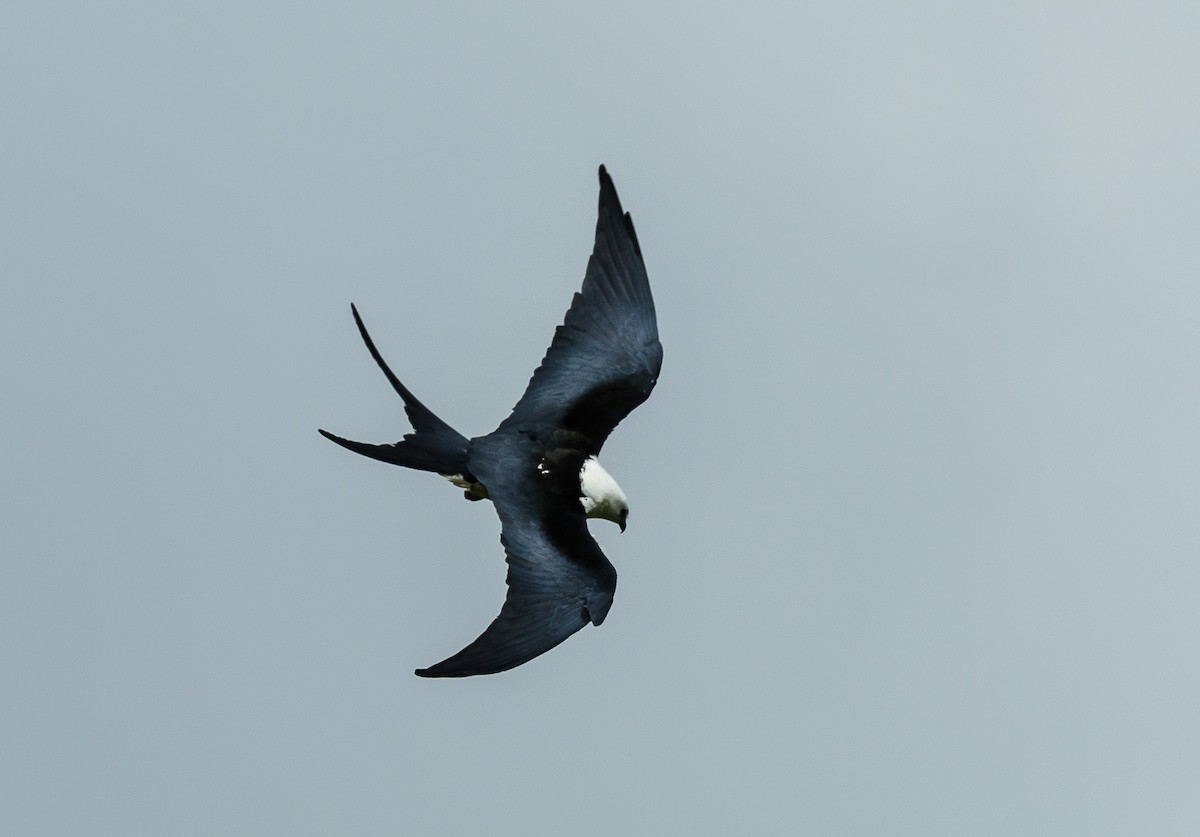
pixel 913 548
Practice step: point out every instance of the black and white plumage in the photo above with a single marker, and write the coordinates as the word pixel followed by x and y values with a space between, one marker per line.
pixel 539 466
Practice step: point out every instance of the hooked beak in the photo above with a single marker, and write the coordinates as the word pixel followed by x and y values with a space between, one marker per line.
pixel 624 517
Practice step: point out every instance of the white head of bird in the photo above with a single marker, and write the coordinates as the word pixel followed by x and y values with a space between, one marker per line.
pixel 602 497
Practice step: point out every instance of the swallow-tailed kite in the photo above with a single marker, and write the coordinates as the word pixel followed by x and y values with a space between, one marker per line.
pixel 539 466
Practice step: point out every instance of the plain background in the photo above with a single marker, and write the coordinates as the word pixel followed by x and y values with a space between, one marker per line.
pixel 913 547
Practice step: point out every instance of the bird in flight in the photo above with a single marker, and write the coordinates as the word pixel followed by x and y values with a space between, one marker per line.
pixel 539 467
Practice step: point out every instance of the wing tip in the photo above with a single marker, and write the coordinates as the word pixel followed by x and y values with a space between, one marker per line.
pixel 439 670
pixel 609 198
pixel 606 181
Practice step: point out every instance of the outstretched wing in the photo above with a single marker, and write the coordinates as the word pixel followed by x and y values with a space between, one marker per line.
pixel 605 357
pixel 558 579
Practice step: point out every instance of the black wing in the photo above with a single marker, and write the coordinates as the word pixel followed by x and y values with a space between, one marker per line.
pixel 558 579
pixel 605 357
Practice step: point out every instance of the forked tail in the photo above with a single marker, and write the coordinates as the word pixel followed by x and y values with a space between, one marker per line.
pixel 432 446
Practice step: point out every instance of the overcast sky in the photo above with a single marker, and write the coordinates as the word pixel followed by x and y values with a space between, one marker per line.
pixel 913 544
